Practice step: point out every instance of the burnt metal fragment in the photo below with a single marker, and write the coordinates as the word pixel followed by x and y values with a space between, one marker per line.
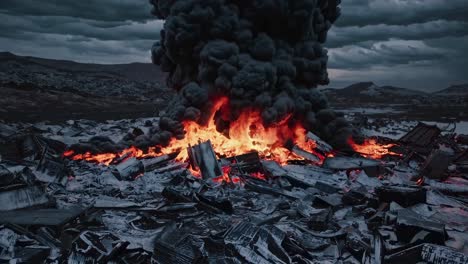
pixel 217 200
pixel 52 170
pixel 435 254
pixel 320 221
pixel 355 196
pixel 332 200
pixel 403 195
pixel 436 165
pixel 176 245
pixel 411 254
pixel 36 254
pixel 357 244
pixel 98 247
pixel 409 224
pixel 326 187
pixel 6 176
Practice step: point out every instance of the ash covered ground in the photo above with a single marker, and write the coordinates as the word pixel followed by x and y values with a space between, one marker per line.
pixel 347 209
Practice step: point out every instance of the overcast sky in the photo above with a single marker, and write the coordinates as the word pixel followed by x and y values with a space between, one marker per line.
pixel 420 44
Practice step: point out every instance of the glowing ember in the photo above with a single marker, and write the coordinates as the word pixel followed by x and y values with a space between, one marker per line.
pixel 372 149
pixel 420 181
pixel 258 175
pixel 246 134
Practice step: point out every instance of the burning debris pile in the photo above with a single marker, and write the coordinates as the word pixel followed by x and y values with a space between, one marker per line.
pixel 243 167
pixel 265 57
pixel 386 202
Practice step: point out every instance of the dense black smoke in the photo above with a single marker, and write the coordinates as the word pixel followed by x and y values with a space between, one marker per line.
pixel 265 54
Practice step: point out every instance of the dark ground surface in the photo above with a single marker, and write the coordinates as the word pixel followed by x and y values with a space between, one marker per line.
pixel 39 105
pixel 33 105
pixel 35 89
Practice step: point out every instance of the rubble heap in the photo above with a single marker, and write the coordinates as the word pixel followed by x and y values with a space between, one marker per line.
pixel 404 208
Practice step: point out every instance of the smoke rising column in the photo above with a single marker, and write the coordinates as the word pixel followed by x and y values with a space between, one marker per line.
pixel 262 54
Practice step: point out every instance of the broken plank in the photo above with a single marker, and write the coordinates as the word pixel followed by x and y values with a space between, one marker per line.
pixel 41 217
pixel 22 198
pixel 347 163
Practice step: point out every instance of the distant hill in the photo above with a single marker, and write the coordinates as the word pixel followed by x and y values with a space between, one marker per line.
pixel 44 89
pixel 134 79
pixel 133 71
pixel 369 92
pixel 454 90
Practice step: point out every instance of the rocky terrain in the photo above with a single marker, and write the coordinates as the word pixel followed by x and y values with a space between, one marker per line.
pixel 35 89
pixel 402 103
pixel 38 89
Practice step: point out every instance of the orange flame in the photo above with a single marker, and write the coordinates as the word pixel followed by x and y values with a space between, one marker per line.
pixel 372 149
pixel 246 134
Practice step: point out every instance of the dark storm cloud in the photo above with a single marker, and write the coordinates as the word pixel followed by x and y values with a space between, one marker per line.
pixel 343 36
pixel 80 27
pixel 100 10
pixel 105 31
pixel 401 12
pixel 386 53
pixel 414 43
pixel 419 44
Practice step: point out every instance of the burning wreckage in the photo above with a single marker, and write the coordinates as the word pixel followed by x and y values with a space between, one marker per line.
pixel 247 165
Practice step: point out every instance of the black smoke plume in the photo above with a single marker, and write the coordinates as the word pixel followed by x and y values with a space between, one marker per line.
pixel 262 54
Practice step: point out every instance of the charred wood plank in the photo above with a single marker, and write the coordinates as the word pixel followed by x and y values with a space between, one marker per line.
pixel 321 220
pixel 422 135
pixel 246 163
pixel 410 254
pixel 261 188
pixel 409 224
pixel 154 163
pixel 129 169
pixel 203 157
pixel 273 168
pixel 348 163
pixel 436 165
pixel 322 146
pixel 403 195
pixel 447 187
pixel 42 217
pixel 305 154
pixel 6 176
pixel 22 198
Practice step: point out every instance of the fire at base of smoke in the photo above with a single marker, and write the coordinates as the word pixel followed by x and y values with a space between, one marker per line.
pixel 264 55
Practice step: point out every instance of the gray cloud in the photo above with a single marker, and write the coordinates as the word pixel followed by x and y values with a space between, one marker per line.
pixel 420 44
pixel 342 36
pixel 400 12
pixel 129 30
pixel 385 53
pixel 79 48
pixel 104 31
pixel 101 10
pixel 436 64
pixel 415 43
